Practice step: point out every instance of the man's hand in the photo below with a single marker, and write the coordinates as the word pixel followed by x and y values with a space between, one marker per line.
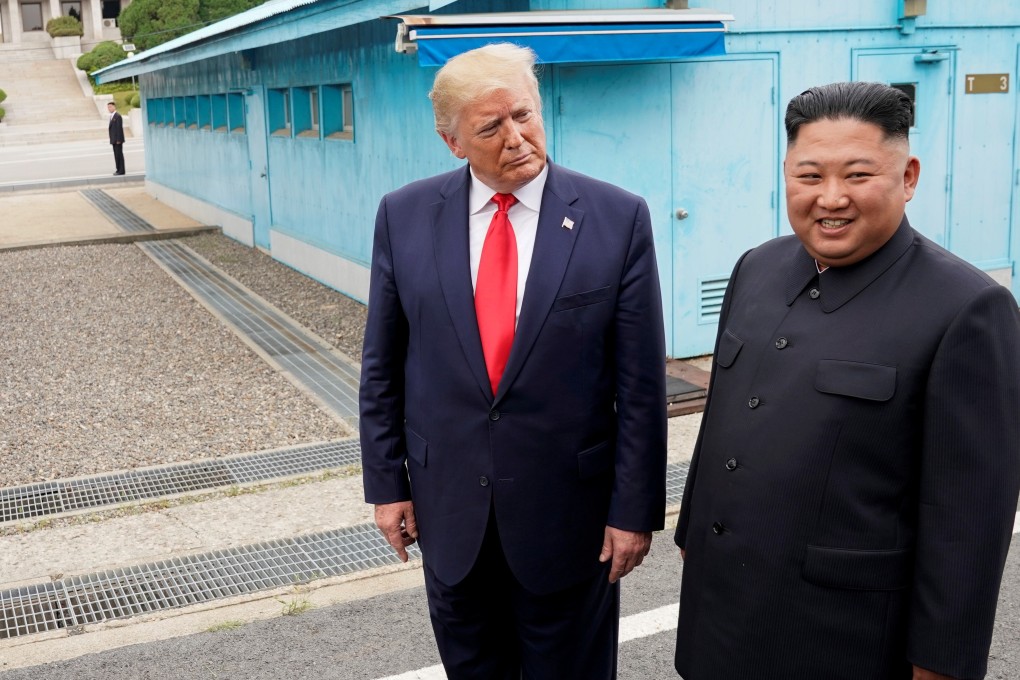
pixel 683 555
pixel 922 674
pixel 627 549
pixel 397 524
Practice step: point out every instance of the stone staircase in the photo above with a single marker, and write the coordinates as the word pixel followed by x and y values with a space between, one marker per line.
pixel 46 101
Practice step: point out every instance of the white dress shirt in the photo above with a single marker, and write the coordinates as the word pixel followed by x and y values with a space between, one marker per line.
pixel 523 218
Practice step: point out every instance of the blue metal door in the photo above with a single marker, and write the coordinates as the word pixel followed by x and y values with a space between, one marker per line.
pixel 697 140
pixel 614 123
pixel 258 158
pixel 725 178
pixel 925 74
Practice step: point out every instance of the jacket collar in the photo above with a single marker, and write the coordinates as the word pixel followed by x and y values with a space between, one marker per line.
pixel 839 285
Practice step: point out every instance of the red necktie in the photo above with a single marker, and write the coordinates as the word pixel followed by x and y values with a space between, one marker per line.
pixel 496 290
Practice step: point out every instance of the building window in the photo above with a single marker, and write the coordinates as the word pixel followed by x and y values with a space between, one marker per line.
pixel 313 95
pixel 306 100
pixel 338 111
pixel 180 116
pixel 31 16
pixel 279 112
pixel 909 89
pixel 71 9
pixel 235 112
pixel 191 111
pixel 218 112
pixel 204 112
pixel 154 111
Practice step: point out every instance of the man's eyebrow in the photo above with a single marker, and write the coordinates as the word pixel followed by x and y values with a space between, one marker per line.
pixel 853 161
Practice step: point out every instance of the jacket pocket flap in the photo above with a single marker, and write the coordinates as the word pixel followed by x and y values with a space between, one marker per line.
pixel 417 447
pixel 729 348
pixel 855 379
pixel 588 297
pixel 595 460
pixel 857 569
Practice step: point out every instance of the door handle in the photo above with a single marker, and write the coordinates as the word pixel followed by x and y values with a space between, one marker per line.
pixel 682 214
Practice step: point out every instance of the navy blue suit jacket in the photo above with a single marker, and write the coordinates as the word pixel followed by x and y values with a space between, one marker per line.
pixel 575 438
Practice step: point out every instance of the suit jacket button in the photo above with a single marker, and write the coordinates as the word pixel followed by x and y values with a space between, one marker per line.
pixel 494 415
pixel 731 464
pixel 781 343
pixel 484 481
pixel 753 402
pixel 814 293
pixel 718 528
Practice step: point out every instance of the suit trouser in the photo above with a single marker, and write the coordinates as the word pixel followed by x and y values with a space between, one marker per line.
pixel 118 157
pixel 489 627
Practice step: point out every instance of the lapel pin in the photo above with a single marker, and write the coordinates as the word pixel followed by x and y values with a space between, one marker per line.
pixel 568 223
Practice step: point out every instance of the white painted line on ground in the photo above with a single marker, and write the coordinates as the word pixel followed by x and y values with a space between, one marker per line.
pixel 631 628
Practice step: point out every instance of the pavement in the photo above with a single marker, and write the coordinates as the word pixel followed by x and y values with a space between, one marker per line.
pixel 44 215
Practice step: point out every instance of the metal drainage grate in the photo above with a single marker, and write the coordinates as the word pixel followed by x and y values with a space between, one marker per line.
pixel 117 211
pixel 302 357
pixel 66 495
pixel 183 581
pixel 676 477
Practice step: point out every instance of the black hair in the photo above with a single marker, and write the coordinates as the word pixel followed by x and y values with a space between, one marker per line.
pixel 875 103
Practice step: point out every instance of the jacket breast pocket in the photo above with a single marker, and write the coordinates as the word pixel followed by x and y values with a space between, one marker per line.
pixel 595 460
pixel 729 348
pixel 417 446
pixel 583 299
pixel 857 569
pixel 873 382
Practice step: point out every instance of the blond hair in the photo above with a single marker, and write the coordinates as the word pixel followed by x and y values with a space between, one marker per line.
pixel 477 73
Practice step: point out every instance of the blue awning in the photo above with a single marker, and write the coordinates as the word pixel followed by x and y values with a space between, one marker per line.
pixel 569 37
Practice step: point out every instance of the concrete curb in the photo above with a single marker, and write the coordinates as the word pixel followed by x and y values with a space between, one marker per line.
pixel 161 235
pixel 74 182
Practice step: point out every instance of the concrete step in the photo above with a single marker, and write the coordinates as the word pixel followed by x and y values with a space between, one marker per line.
pixel 22 52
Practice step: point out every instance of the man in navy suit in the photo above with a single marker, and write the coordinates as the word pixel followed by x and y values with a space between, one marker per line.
pixel 513 386
pixel 852 494
pixel 116 130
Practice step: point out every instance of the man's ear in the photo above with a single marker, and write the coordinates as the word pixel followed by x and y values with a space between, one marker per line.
pixel 910 176
pixel 451 142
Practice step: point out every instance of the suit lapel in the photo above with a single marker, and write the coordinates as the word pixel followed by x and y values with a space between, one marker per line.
pixel 453 262
pixel 553 246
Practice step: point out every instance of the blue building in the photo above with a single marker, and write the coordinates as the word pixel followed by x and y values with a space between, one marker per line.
pixel 287 123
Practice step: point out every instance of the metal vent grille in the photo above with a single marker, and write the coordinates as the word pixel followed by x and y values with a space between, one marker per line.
pixel 710 299
pixel 49 498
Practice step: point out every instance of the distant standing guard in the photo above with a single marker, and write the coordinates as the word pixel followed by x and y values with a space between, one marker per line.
pixel 853 490
pixel 513 405
pixel 116 137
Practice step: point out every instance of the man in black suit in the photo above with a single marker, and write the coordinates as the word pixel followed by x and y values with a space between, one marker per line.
pixel 513 412
pixel 116 129
pixel 852 494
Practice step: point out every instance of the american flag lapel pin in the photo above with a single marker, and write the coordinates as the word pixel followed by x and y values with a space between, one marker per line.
pixel 568 223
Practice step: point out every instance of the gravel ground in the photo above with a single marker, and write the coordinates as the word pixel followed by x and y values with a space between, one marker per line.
pixel 336 318
pixel 106 363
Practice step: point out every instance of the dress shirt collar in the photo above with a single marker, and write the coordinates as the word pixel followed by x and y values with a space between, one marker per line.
pixel 529 195
pixel 841 284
